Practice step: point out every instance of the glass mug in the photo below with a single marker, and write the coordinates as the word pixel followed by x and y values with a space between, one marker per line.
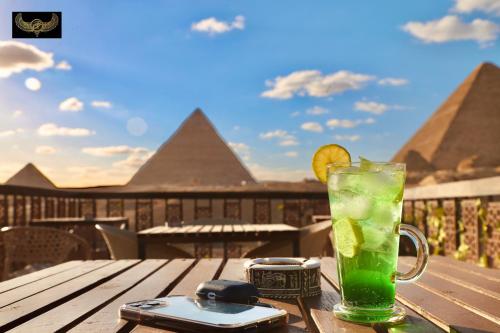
pixel 366 206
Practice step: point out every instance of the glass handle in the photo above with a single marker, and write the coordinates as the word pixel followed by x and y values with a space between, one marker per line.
pixel 420 243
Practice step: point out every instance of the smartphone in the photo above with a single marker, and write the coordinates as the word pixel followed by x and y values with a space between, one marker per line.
pixel 182 313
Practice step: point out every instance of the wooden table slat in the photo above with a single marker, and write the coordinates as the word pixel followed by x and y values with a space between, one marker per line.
pixel 17 294
pixel 485 286
pixel 320 309
pixel 233 270
pixel 217 228
pixel 73 296
pixel 76 308
pixel 416 321
pixel 204 270
pixel 36 276
pixel 238 228
pixel 205 229
pixel 480 272
pixel 484 304
pixel 46 299
pixel 107 319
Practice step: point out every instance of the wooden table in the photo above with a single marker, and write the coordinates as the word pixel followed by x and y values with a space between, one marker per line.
pixel 85 296
pixel 79 221
pixel 215 233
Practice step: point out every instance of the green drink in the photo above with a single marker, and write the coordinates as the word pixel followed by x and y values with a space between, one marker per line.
pixel 366 205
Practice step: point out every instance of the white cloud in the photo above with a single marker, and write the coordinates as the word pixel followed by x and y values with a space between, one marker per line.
pixel 468 6
pixel 289 142
pixel 286 139
pixel 45 150
pixel 346 123
pixel 7 133
pixel 371 107
pixel 351 138
pixel 312 127
pixel 64 66
pixel 33 84
pixel 16 57
pixel 314 83
pixel 291 154
pixel 239 147
pixel 113 150
pixel 242 149
pixel 317 111
pixel 295 114
pixel 134 160
pixel 51 129
pixel 71 104
pixel 212 26
pixel 274 134
pixel 393 81
pixel 451 28
pixel 17 113
pixel 101 104
pixel 136 156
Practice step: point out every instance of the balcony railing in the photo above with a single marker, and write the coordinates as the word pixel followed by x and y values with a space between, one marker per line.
pixel 19 205
pixel 460 219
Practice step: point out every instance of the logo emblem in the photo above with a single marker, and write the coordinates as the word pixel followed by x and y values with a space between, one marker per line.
pixel 37 24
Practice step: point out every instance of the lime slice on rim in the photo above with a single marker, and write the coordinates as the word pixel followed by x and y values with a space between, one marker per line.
pixel 329 154
pixel 349 237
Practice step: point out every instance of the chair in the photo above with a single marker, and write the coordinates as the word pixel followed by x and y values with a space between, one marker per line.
pixel 27 249
pixel 123 244
pixel 313 239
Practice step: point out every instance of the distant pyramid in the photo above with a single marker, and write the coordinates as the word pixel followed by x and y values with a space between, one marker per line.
pixel 465 128
pixel 195 155
pixel 30 176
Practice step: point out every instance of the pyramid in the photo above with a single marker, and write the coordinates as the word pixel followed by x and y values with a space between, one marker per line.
pixel 195 155
pixel 466 127
pixel 30 176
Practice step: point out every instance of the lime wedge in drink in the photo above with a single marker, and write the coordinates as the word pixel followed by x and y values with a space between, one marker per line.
pixel 348 236
pixel 326 155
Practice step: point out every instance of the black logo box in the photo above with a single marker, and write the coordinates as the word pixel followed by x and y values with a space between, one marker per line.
pixel 29 17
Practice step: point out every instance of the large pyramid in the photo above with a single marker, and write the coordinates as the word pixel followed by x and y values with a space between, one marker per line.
pixel 195 155
pixel 462 138
pixel 30 176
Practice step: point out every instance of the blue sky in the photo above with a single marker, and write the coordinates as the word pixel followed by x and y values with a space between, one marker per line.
pixel 373 70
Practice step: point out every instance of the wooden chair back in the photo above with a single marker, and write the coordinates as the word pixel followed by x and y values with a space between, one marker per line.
pixel 39 245
pixel 122 244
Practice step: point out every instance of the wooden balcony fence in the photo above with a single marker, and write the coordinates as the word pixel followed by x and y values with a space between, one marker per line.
pixel 19 205
pixel 460 219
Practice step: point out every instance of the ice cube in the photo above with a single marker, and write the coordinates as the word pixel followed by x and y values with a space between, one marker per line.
pixel 385 214
pixel 350 204
pixel 373 238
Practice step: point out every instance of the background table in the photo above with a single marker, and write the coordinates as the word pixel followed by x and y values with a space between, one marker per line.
pixel 85 296
pixel 215 233
pixel 79 221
